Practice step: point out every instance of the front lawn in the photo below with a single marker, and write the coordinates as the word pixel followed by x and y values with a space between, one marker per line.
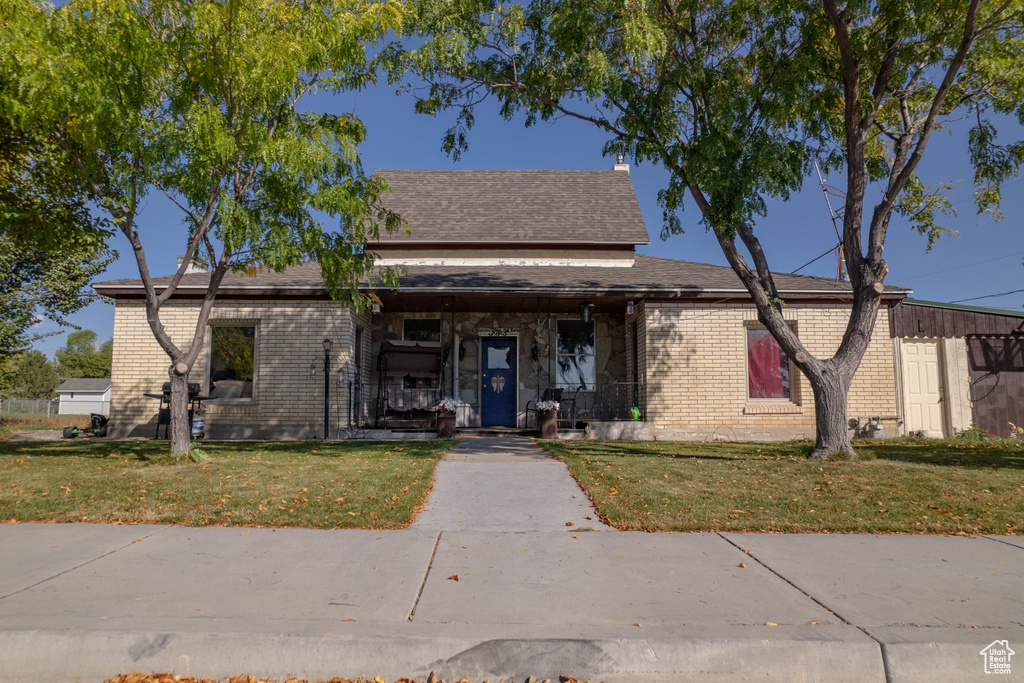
pixel 909 487
pixel 376 485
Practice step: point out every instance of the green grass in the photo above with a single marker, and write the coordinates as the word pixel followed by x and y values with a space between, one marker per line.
pixel 900 487
pixel 376 485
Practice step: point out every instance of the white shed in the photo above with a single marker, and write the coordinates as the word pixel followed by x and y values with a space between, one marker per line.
pixel 84 395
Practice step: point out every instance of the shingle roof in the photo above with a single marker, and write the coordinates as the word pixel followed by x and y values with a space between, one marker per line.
pixel 581 207
pixel 650 274
pixel 98 385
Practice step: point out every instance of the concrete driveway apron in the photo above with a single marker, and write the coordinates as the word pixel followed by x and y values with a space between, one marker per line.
pixel 505 484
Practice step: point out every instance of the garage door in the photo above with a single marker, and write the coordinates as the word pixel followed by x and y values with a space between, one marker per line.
pixel 923 386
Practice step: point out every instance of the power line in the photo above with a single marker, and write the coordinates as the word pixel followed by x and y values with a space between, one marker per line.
pixel 813 260
pixel 987 296
pixel 966 265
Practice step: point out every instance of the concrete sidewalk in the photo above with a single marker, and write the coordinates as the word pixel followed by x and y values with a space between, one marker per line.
pixel 84 602
pixel 505 484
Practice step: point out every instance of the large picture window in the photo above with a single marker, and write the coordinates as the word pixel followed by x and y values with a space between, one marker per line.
pixel 232 361
pixel 767 366
pixel 576 367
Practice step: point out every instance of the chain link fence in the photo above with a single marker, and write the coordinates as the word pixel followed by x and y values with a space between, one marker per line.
pixel 33 407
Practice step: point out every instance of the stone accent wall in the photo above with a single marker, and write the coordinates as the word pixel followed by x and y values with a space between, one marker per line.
pixel 695 362
pixel 534 375
pixel 287 403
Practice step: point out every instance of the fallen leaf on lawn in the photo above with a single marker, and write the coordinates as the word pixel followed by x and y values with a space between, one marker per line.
pixel 454 577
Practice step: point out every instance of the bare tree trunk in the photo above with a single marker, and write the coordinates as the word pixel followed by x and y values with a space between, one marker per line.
pixel 180 429
pixel 830 385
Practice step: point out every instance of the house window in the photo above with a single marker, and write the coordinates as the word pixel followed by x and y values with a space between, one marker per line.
pixel 576 366
pixel 767 366
pixel 422 329
pixel 232 361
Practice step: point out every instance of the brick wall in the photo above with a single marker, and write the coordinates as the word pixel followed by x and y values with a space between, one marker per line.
pixel 286 403
pixel 695 362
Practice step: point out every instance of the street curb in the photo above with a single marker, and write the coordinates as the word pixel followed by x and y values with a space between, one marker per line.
pixel 92 656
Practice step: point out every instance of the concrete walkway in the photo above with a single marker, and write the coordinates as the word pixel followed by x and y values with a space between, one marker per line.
pixel 505 484
pixel 85 602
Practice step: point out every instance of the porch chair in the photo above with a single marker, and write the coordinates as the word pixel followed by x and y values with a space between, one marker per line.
pixel 570 421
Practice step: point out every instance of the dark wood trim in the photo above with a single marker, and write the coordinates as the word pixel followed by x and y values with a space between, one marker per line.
pixel 932 322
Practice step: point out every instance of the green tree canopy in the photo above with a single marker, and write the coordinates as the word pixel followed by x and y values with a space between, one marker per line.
pixel 199 101
pixel 37 281
pixel 34 376
pixel 80 356
pixel 737 99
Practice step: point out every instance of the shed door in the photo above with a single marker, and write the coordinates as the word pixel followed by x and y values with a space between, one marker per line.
pixel 922 374
pixel 498 372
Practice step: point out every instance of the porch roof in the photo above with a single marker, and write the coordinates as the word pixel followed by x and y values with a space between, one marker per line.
pixel 650 276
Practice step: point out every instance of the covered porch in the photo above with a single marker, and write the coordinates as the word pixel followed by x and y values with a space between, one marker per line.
pixel 499 354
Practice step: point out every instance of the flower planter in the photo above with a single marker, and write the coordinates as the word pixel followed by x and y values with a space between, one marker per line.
pixel 548 422
pixel 445 425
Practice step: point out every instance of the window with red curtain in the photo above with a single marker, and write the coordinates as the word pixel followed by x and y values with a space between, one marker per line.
pixel 767 366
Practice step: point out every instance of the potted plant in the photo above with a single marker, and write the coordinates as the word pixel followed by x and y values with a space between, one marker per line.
pixel 547 419
pixel 446 418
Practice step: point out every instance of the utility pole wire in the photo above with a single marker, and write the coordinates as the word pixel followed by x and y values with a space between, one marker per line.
pixel 987 296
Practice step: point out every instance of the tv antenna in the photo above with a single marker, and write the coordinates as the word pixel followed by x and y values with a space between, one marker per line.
pixel 835 216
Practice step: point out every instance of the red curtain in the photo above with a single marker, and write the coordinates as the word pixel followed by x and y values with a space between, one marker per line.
pixel 767 366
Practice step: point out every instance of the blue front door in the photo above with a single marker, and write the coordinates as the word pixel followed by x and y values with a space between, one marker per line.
pixel 498 370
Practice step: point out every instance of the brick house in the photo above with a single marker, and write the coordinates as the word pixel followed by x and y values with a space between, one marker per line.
pixel 518 285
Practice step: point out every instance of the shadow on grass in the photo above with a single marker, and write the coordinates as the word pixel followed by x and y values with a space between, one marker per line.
pixel 701 450
pixel 949 454
pixel 153 450
pixel 982 455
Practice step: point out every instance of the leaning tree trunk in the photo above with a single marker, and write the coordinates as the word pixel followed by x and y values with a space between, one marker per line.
pixel 180 429
pixel 831 386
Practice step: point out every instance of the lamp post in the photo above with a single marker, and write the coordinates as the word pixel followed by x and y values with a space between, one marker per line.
pixel 327 387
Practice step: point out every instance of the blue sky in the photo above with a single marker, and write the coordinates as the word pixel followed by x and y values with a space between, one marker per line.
pixel 984 258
